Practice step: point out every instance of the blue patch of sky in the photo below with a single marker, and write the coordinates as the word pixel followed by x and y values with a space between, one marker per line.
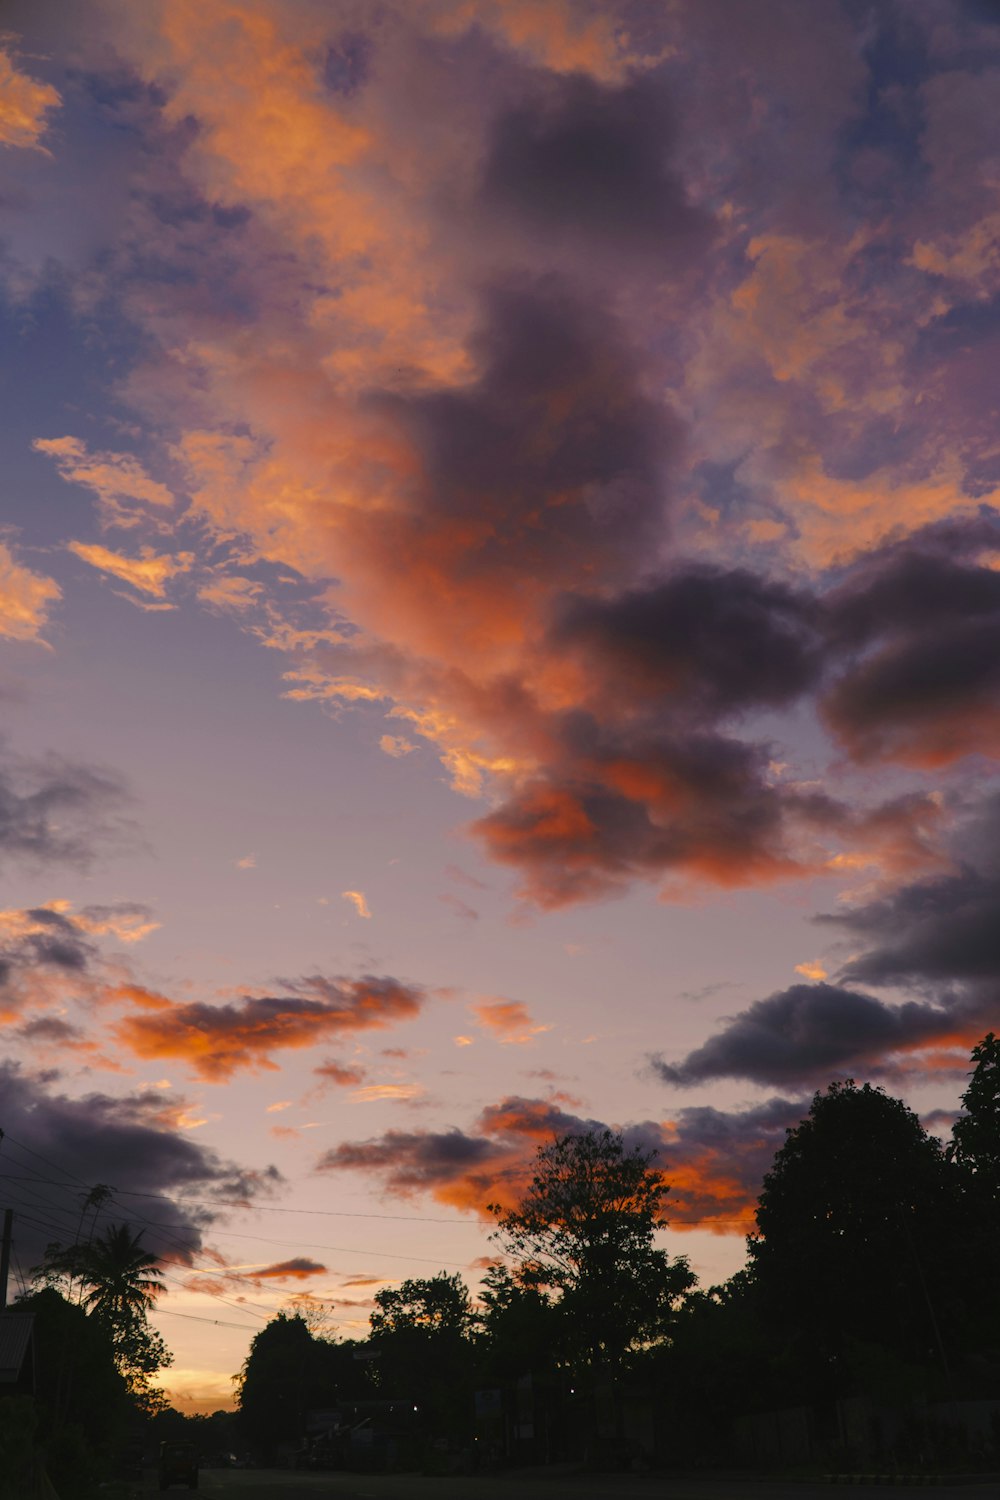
pixel 347 63
pixel 50 358
pixel 890 123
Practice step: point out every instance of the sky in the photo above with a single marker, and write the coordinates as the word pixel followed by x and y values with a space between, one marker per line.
pixel 499 613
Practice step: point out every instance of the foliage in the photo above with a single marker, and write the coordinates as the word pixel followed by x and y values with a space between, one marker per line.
pixel 975 1142
pixel 434 1306
pixel 83 1403
pixel 423 1332
pixel 18 1423
pixel 521 1327
pixel 849 1242
pixel 286 1373
pixel 584 1231
pixel 119 1282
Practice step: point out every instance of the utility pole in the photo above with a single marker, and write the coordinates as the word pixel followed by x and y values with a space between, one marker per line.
pixel 8 1234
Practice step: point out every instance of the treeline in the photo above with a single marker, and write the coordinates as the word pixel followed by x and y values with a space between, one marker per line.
pixel 872 1272
pixel 80 1412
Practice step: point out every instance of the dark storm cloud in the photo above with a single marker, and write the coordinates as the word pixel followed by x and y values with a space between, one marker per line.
pixel 809 1033
pixel 56 1149
pixel 409 1160
pixel 939 935
pixel 702 805
pixel 299 1266
pixel 943 931
pixel 592 162
pixel 916 628
pixel 705 640
pixel 56 811
pixel 555 457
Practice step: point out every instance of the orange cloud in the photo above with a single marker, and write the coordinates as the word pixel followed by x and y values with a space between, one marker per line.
pixel 358 901
pixel 119 480
pixel 24 104
pixel 148 572
pixel 509 1021
pixel 216 1041
pixel 714 1162
pixel 25 598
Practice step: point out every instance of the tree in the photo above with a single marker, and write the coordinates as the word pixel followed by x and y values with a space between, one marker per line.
pixel 584 1234
pixel 83 1407
pixel 974 1152
pixel 851 1245
pixel 119 1283
pixel 423 1332
pixel 521 1328
pixel 286 1373
pixel 975 1143
pixel 426 1305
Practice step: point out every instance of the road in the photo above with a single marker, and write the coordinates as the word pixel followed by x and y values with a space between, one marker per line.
pixel 271 1484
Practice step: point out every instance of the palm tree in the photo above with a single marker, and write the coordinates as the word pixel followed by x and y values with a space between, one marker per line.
pixel 121 1277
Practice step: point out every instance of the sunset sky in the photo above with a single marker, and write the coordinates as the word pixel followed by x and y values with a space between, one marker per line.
pixel 499 609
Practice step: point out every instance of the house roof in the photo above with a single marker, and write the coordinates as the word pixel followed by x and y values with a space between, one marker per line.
pixel 15 1341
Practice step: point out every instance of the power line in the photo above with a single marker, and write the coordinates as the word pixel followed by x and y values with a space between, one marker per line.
pixel 196 1318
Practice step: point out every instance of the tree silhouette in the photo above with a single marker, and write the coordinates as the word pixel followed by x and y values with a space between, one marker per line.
pixel 850 1246
pixel 975 1143
pixel 119 1281
pixel 584 1232
pixel 423 1332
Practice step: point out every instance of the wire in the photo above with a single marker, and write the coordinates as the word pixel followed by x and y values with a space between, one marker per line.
pixel 196 1318
pixel 276 1208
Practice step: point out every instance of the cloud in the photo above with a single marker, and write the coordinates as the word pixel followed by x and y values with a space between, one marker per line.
pixel 509 1021
pixel 714 1160
pixel 24 104
pixel 621 344
pixel 710 642
pixel 121 484
pixel 300 1267
pixel 128 921
pixel 396 745
pixel 701 807
pixel 938 935
pixel 149 572
pixel 459 907
pixel 943 932
pixel 55 811
pixel 248 862
pixel 921 621
pixel 358 901
pixel 216 1041
pixel 375 1093
pixel 231 594
pixel 342 1074
pixel 581 160
pixel 130 1143
pixel 811 1033
pixel 25 597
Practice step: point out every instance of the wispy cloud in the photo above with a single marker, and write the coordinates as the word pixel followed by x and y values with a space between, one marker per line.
pixel 149 572
pixel 358 901
pixel 25 599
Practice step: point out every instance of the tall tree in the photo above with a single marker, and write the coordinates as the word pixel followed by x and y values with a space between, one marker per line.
pixel 119 1281
pixel 286 1373
pixel 584 1233
pixel 423 1332
pixel 974 1152
pixel 851 1245
pixel 975 1143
